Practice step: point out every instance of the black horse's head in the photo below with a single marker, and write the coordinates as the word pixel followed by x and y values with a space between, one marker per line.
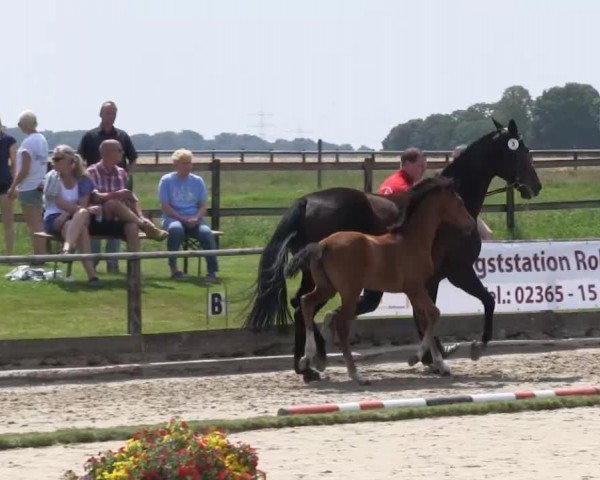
pixel 513 161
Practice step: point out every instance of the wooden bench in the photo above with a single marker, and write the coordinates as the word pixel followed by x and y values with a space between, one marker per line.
pixel 189 243
pixel 192 243
pixel 57 240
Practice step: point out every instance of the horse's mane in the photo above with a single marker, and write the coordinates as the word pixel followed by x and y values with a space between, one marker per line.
pixel 417 193
pixel 473 151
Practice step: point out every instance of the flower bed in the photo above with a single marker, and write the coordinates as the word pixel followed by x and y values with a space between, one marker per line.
pixel 174 452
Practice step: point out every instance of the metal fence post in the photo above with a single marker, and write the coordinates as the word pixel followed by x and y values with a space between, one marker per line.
pixel 215 203
pixel 510 209
pixel 368 165
pixel 134 297
pixel 319 160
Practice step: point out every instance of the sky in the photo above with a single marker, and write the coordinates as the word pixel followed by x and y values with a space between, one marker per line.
pixel 346 71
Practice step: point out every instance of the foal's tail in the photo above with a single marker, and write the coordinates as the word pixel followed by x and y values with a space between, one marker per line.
pixel 313 251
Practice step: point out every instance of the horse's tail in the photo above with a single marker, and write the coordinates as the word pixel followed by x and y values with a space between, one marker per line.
pixel 313 251
pixel 269 300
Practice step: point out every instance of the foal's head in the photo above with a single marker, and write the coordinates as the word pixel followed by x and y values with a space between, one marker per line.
pixel 439 193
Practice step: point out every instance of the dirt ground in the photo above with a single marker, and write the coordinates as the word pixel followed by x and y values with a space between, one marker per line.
pixel 557 444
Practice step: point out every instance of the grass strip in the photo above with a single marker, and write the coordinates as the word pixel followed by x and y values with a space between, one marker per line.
pixel 88 435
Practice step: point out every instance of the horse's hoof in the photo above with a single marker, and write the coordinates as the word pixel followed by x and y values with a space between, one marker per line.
pixel 476 350
pixel 320 363
pixel 303 363
pixel 443 370
pixel 426 359
pixel 413 360
pixel 448 350
pixel 310 376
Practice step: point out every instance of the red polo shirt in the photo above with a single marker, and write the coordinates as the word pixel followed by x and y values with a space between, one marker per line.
pixel 397 182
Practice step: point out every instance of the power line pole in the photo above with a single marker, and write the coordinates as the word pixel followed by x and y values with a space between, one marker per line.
pixel 262 124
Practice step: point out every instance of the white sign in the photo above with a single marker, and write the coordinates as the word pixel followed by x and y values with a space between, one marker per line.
pixel 216 303
pixel 522 277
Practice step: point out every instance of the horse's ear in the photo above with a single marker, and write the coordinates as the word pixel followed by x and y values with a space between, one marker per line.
pixel 512 129
pixel 497 124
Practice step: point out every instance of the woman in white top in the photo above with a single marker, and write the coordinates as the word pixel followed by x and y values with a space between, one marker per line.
pixel 31 166
pixel 66 197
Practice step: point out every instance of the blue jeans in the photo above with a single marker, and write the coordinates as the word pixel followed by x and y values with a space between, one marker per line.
pixel 113 245
pixel 201 231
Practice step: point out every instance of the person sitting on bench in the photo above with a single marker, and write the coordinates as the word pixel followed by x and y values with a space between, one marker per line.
pixel 66 200
pixel 183 197
pixel 121 215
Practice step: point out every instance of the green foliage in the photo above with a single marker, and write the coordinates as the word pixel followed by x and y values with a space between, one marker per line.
pixel 562 117
pixel 567 117
pixel 516 103
pixel 189 139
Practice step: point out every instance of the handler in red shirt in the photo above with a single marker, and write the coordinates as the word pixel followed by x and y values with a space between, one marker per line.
pixel 413 164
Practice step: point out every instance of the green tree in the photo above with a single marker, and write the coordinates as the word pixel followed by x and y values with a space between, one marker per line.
pixel 438 131
pixel 516 103
pixel 409 134
pixel 567 117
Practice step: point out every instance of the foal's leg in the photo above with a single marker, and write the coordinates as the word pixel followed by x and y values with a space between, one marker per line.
pixel 309 303
pixel 308 374
pixel 343 323
pixel 427 314
pixel 367 302
pixel 433 316
pixel 468 281
pixel 446 350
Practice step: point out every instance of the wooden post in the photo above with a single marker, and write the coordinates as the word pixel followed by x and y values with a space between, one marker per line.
pixel 271 156
pixel 156 157
pixel 319 160
pixel 215 202
pixel 368 165
pixel 134 298
pixel 510 210
pixel 575 158
pixel 303 156
pixel 337 156
pixel 242 156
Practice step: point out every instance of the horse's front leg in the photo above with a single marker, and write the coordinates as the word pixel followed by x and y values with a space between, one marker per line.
pixel 468 281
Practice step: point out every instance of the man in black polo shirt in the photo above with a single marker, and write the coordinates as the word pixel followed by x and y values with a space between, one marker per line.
pixel 89 149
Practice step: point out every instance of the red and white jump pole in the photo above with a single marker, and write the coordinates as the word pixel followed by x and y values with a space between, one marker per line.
pixel 448 400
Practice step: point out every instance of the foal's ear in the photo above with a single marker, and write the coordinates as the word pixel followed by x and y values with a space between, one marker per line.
pixel 497 124
pixel 512 129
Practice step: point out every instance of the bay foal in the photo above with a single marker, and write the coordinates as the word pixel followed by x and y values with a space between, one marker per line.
pixel 398 261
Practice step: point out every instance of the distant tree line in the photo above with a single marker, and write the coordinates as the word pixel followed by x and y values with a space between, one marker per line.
pixel 560 118
pixel 192 140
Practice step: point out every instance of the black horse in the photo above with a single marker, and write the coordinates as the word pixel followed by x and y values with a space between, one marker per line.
pixel 501 153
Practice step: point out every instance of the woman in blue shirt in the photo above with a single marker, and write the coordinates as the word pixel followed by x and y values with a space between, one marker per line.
pixel 183 198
